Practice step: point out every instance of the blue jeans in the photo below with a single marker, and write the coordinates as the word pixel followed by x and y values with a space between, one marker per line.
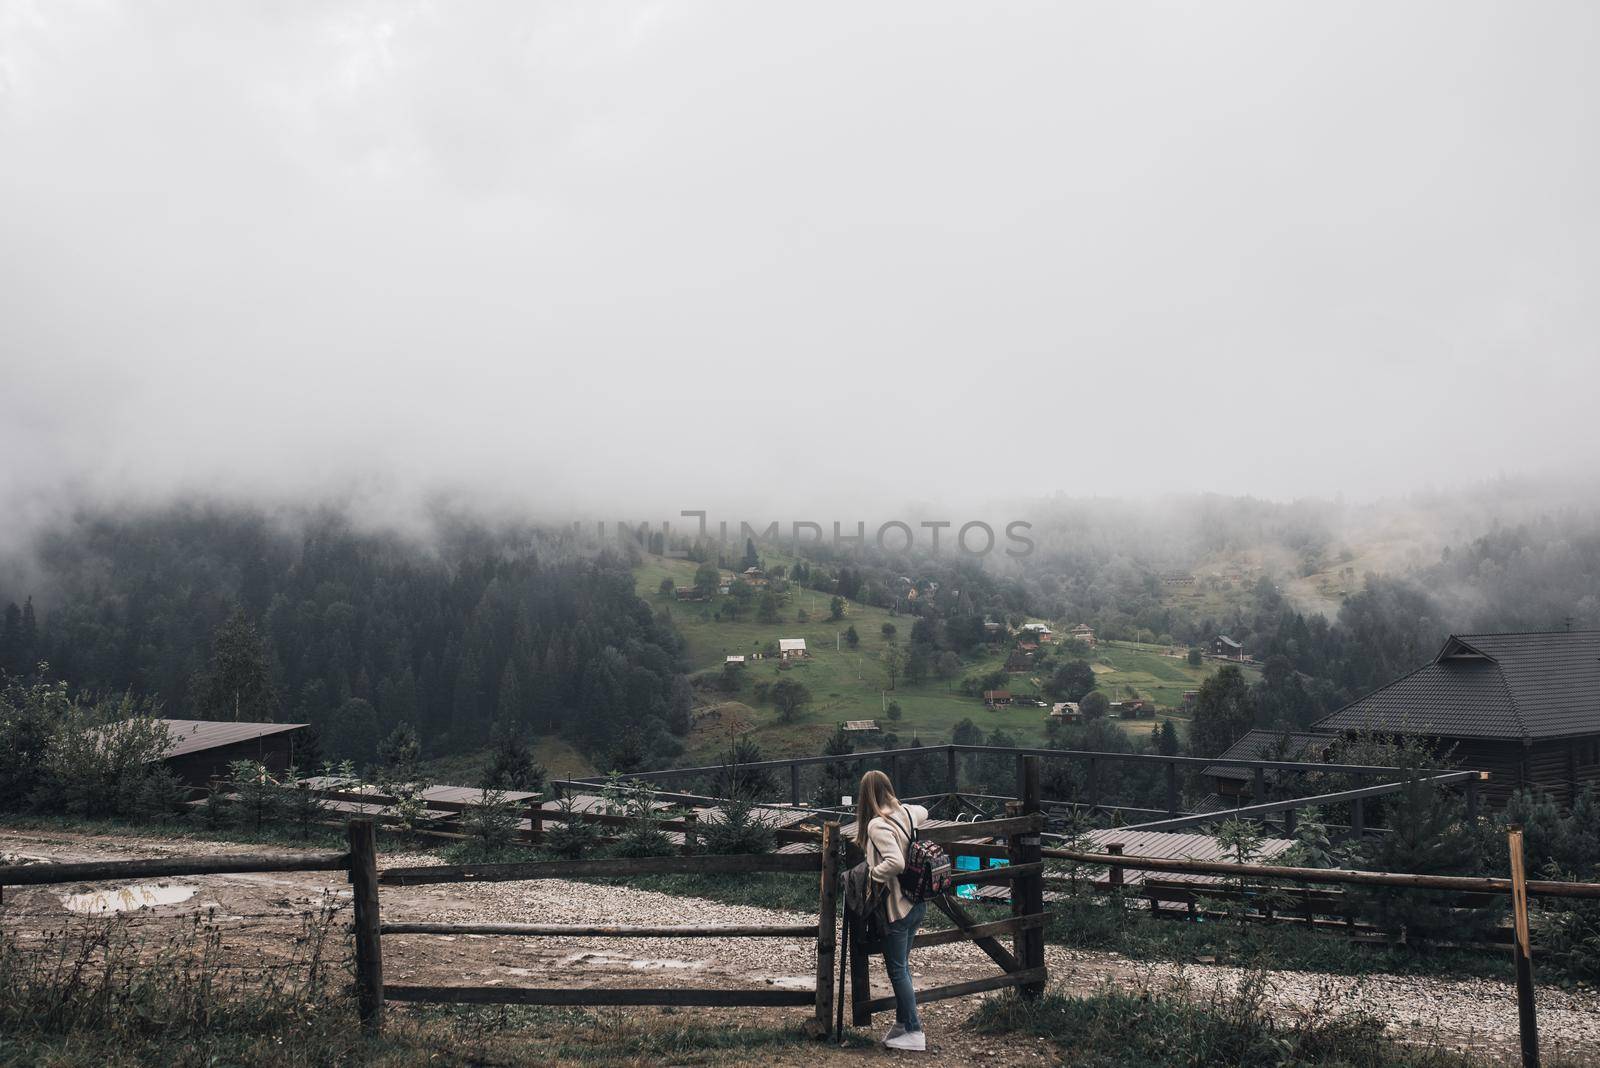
pixel 897 962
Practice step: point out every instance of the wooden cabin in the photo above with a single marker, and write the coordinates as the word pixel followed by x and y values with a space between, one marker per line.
pixel 1237 784
pixel 1226 647
pixel 1524 707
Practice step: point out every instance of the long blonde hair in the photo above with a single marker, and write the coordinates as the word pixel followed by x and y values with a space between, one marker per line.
pixel 875 797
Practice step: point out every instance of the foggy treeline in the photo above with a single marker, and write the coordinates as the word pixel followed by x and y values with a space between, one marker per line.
pixel 226 612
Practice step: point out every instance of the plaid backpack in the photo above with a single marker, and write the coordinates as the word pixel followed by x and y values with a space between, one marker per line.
pixel 927 870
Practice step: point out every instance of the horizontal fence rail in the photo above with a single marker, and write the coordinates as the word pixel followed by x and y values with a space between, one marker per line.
pixel 598 869
pixel 1448 778
pixel 1460 883
pixel 579 930
pixel 165 867
pixel 913 752
pixel 982 930
pixel 1023 977
pixel 599 995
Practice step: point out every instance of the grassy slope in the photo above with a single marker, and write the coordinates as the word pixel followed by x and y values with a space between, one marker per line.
pixel 852 683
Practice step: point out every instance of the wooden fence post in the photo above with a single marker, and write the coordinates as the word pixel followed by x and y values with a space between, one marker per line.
pixel 1027 894
pixel 1172 788
pixel 535 821
pixel 689 819
pixel 951 781
pixel 827 926
pixel 794 784
pixel 1522 948
pixel 860 988
pixel 1094 784
pixel 369 946
pixel 1358 819
pixel 1114 879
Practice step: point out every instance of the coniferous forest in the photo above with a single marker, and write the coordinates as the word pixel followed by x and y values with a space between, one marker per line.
pixel 227 614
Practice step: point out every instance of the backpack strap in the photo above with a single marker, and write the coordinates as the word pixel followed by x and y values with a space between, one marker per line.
pixel 911 835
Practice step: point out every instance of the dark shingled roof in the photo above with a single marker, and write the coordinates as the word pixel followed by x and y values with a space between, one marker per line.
pixel 193 735
pixel 1261 745
pixel 1532 685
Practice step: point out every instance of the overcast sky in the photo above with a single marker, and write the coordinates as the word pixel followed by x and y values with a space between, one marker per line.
pixel 638 257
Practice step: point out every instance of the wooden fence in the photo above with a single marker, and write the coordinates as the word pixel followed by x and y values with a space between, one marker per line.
pixel 1022 964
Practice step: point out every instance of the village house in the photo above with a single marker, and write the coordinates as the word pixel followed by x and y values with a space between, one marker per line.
pixel 1523 707
pixel 1066 711
pixel 996 698
pixel 1019 662
pixel 754 576
pixel 1082 633
pixel 688 593
pixel 1225 647
pixel 734 661
pixel 1236 785
pixel 200 750
pixel 1040 632
pixel 792 648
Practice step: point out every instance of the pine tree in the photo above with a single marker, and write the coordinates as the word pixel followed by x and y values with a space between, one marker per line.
pixel 1428 835
pixel 1223 712
pixel 510 704
pixel 237 683
pixel 400 752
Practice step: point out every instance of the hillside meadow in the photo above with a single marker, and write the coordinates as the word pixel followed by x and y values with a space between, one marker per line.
pixel 848 683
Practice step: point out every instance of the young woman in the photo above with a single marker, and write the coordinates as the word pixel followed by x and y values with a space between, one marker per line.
pixel 885 826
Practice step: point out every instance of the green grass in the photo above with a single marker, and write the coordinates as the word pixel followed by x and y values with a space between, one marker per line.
pixel 853 684
pixel 1178 1029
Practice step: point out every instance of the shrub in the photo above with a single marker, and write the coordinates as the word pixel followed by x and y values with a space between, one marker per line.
pixel 491 820
pixel 1428 836
pixel 299 804
pixel 739 829
pixel 511 764
pixel 256 793
pixel 643 836
pixel 572 837
pixel 217 808
pixel 99 757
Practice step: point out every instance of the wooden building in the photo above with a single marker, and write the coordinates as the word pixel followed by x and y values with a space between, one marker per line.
pixel 1524 707
pixel 201 750
pixel 1236 784
pixel 1226 647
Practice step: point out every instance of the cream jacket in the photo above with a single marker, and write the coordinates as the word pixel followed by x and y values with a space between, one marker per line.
pixel 886 853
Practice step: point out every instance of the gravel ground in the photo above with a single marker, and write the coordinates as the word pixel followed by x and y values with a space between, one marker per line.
pixel 1458 1013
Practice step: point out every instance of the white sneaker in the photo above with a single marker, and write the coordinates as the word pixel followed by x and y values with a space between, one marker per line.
pixel 916 1041
pixel 894 1032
